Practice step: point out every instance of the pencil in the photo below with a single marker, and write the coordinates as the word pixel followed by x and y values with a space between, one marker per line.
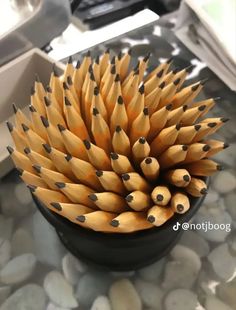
pixel 50 176
pixel 186 94
pixel 179 203
pixel 17 136
pixel 140 150
pixel 47 196
pixel 38 159
pixel 168 93
pixel 77 193
pixel 196 188
pixel 205 130
pixel 187 134
pixel 152 99
pixel 101 132
pixel 88 100
pixel 30 178
pixel 203 167
pixel 196 151
pixel 152 83
pixel 20 160
pixel 119 116
pixel 84 172
pixel 34 141
pixel 120 142
pixel 138 200
pixel 175 154
pixel 190 116
pixel 111 182
pixel 108 82
pixel 52 97
pixel 108 201
pixel 135 182
pixel 58 158
pixel 130 221
pixel 113 95
pixel 165 138
pixel 131 87
pixel 73 101
pixel 20 118
pixel 74 121
pixel 136 105
pixel 73 144
pixel 104 62
pixel 158 121
pixel 69 70
pixel 98 103
pixel 143 66
pixel 161 195
pixel 178 177
pixel 56 86
pixel 140 126
pixel 54 135
pixel 37 124
pixel 39 89
pixel 209 103
pixel 150 168
pixel 175 116
pixel 124 64
pixel 98 221
pixel 159 215
pixel 77 78
pixel 97 156
pixel 162 66
pixel 85 64
pixel 120 163
pixel 215 147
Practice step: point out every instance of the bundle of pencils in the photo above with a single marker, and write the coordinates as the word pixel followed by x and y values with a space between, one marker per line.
pixel 114 149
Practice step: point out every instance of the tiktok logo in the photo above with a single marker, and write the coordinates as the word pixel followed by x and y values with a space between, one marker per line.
pixel 176 226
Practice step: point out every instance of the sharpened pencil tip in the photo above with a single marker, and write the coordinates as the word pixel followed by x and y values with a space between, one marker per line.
pixel 68 157
pixel 54 70
pixel 159 197
pixel 99 173
pixel 95 111
pixel 136 72
pixel 141 89
pixel 225 145
pixel 177 81
pixel 114 156
pixel 25 128
pixel 169 60
pixel 47 148
pixel 9 126
pixel 162 85
pixel 114 223
pixel 47 101
pixel 185 107
pixel 160 73
pixel 212 125
pixel 202 82
pixel 125 176
pixel 169 107
pixel 37 168
pixel 10 149
pixel 97 60
pixel 44 121
pixel 130 51
pixel 151 219
pixel 175 70
pixel 203 191
pixel 14 107
pixel 206 148
pixel 81 218
pixel 65 86
pixel 146 58
pixel 195 87
pixel 178 126
pixel 32 188
pixel 180 207
pixel 120 100
pixel 148 160
pixel 113 60
pixel 197 127
pixel 202 107
pixel 32 108
pixel 60 184
pixel 69 80
pixel 87 144
pixel 20 171
pixel 92 77
pixel 129 198
pixel 26 150
pixel 142 140
pixel 118 128
pixel 88 54
pixel 107 51
pixel 184 147
pixel 224 119
pixel 70 60
pixel 90 68
pixel 48 89
pixel 220 167
pixel 120 55
pixel 117 78
pixel 77 64
pixel 56 205
pixel 145 111
pixel 32 90
pixel 186 178
pixel 96 91
pixel 190 68
pixel 60 127
pixel 93 197
pixel 67 102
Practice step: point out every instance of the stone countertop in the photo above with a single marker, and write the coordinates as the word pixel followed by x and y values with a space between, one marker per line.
pixel 37 272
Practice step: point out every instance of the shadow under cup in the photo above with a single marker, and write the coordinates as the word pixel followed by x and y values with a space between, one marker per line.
pixel 120 252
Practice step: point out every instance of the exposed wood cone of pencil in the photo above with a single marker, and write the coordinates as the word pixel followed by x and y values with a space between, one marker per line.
pixel 113 148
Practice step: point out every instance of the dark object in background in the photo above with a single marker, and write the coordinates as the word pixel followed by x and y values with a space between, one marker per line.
pixel 97 13
pixel 164 6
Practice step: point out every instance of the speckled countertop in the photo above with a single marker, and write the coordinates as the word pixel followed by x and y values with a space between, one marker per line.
pixel 37 272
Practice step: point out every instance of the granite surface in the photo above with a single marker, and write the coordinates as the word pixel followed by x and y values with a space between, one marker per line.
pixel 38 273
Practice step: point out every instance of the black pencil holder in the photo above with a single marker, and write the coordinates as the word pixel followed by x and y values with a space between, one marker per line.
pixel 117 251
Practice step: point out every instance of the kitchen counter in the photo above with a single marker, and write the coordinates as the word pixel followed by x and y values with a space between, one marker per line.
pixel 38 273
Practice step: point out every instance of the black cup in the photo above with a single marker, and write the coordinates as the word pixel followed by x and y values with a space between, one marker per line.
pixel 119 252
